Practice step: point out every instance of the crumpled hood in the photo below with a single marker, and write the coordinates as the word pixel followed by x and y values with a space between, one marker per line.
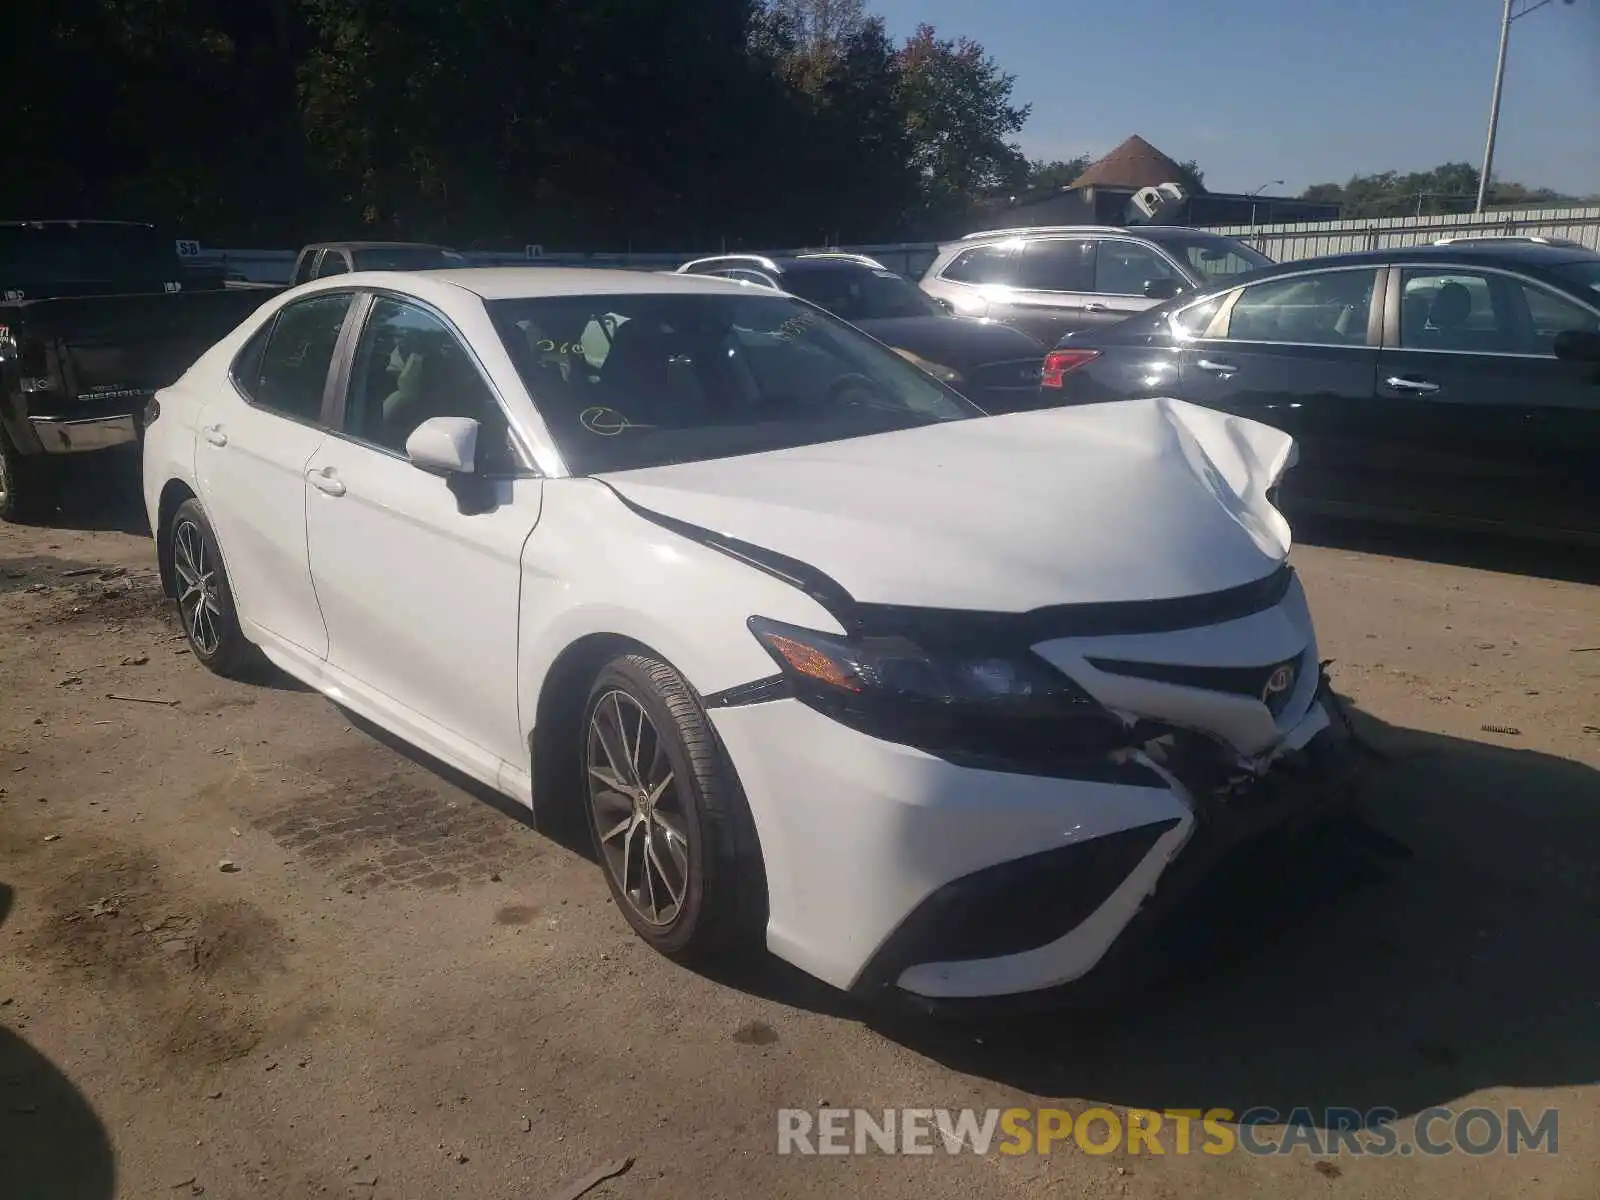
pixel 1136 500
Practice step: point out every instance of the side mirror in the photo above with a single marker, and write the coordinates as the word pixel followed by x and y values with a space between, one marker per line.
pixel 444 445
pixel 1162 289
pixel 1578 345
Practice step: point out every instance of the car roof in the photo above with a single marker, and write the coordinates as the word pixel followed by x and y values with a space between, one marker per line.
pixel 1154 233
pixel 74 223
pixel 374 246
pixel 782 263
pixel 1476 253
pixel 518 283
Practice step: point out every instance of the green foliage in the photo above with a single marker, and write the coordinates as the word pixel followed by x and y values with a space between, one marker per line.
pixel 1448 188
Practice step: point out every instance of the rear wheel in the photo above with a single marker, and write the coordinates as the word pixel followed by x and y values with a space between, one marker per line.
pixel 205 601
pixel 670 826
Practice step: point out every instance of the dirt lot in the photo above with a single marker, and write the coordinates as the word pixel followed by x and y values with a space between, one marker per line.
pixel 395 989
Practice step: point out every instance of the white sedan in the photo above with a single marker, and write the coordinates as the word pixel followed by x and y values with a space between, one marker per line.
pixel 936 705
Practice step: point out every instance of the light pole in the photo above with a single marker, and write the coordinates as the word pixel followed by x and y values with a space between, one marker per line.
pixel 1258 191
pixel 1494 101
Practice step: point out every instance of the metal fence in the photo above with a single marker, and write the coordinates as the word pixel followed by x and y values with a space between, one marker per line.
pixel 911 259
pixel 1288 242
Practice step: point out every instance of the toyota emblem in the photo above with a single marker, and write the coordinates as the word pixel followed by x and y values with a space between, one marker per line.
pixel 1278 683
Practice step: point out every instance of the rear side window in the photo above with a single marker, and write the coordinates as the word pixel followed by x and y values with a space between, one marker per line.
pixel 285 367
pixel 1330 309
pixel 981 264
pixel 1057 265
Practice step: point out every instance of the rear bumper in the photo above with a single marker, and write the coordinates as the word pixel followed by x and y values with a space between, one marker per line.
pixel 60 436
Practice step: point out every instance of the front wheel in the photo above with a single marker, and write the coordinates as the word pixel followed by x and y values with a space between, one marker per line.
pixel 205 600
pixel 670 825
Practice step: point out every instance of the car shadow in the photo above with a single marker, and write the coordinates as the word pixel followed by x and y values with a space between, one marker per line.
pixel 99 493
pixel 1439 944
pixel 1488 552
pixel 51 1141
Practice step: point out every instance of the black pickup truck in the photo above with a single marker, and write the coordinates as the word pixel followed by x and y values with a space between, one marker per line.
pixel 94 317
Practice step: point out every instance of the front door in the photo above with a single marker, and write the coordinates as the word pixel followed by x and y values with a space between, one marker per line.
pixel 254 444
pixel 421 597
pixel 1510 433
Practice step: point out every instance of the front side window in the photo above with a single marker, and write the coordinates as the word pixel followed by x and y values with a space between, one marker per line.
pixel 981 264
pixel 410 367
pixel 1327 309
pixel 1215 258
pixel 682 378
pixel 1455 310
pixel 406 258
pixel 1124 268
pixel 1550 315
pixel 287 372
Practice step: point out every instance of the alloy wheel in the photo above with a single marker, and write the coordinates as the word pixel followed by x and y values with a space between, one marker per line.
pixel 639 817
pixel 199 599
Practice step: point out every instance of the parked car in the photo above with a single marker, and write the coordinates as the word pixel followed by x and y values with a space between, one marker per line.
pixel 824 659
pixel 94 317
pixel 1052 280
pixel 1424 384
pixel 991 364
pixel 322 259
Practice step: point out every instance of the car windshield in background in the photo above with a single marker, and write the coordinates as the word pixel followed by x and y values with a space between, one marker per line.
pixel 406 258
pixel 1586 274
pixel 630 381
pixel 36 255
pixel 860 293
pixel 1216 257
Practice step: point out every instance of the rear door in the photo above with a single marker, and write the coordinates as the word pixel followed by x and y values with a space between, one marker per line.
pixel 1509 433
pixel 256 439
pixel 1300 352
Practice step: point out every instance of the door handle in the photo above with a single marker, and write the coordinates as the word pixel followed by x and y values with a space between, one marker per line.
pixel 325 481
pixel 1217 368
pixel 1417 387
pixel 214 435
pixel 1096 306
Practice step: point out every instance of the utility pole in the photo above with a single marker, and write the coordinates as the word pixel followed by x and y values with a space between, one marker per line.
pixel 1494 109
pixel 1494 101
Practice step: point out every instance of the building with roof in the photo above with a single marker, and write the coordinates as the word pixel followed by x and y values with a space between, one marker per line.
pixel 1101 194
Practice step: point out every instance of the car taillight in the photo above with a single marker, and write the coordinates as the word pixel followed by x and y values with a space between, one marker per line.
pixel 1058 364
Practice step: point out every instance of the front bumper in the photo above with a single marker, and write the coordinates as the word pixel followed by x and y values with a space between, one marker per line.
pixel 895 874
pixel 58 435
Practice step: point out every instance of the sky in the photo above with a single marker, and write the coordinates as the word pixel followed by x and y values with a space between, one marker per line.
pixel 1302 91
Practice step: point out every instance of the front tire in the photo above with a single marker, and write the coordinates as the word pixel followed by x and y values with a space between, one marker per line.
pixel 205 600
pixel 670 826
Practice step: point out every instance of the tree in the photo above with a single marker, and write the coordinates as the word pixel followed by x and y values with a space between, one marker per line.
pixel 1447 188
pixel 1054 175
pixel 960 119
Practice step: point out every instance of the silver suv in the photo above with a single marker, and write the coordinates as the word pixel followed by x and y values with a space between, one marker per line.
pixel 1053 280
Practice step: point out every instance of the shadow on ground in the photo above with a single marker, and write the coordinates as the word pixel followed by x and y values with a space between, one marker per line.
pixel 1508 555
pixel 51 1142
pixel 98 493
pixel 1369 978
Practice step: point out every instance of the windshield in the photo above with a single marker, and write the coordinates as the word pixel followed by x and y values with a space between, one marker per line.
pixel 33 256
pixel 405 258
pixel 1215 257
pixel 860 293
pixel 1586 274
pixel 631 381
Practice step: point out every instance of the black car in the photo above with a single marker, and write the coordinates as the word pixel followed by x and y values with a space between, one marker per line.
pixel 1451 384
pixel 993 365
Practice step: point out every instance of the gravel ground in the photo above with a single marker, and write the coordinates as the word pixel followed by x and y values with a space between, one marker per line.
pixel 254 949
